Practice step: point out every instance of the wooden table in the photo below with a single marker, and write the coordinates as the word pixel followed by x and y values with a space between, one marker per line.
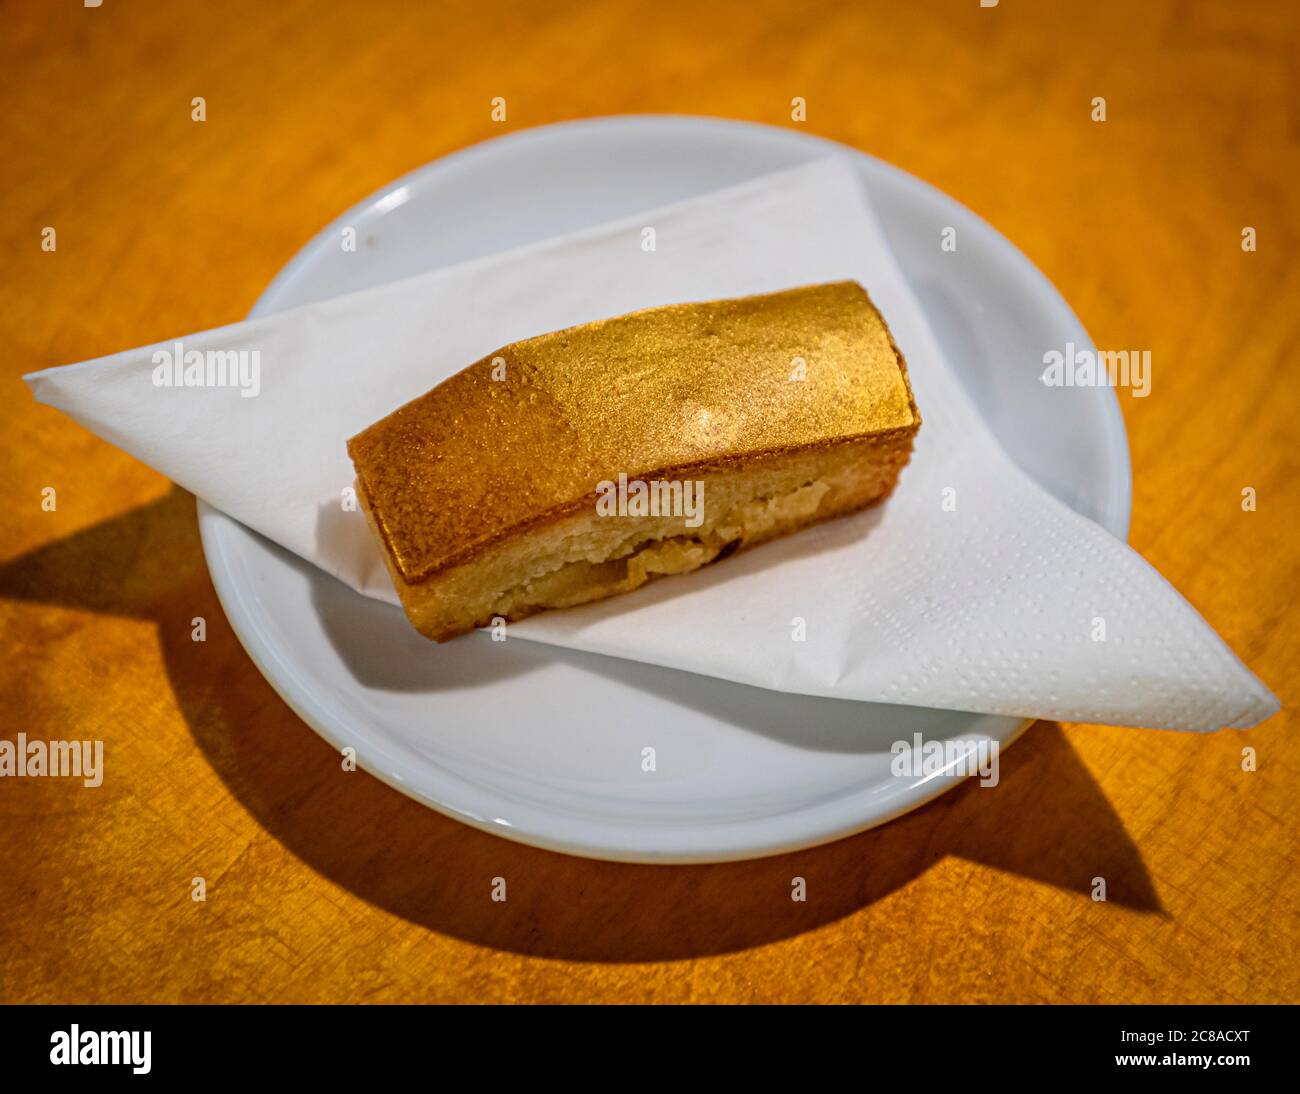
pixel 321 888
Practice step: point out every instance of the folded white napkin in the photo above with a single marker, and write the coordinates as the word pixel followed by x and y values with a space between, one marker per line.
pixel 987 607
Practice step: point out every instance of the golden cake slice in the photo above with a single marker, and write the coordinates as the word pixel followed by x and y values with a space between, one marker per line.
pixel 581 464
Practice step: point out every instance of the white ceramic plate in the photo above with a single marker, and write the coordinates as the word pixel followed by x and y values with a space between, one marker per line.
pixel 544 745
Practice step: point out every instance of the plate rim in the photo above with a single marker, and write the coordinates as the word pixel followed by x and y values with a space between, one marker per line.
pixel 213 524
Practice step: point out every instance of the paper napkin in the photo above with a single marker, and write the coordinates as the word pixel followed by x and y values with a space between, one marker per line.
pixel 970 589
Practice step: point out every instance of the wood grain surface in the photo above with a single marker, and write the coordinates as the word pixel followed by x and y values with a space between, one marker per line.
pixel 323 887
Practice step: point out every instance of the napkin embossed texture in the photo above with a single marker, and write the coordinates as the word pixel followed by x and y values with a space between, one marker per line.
pixel 986 607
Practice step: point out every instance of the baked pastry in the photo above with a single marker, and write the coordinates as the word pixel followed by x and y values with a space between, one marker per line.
pixel 583 463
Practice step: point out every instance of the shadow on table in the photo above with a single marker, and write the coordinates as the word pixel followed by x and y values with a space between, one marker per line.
pixel 1047 820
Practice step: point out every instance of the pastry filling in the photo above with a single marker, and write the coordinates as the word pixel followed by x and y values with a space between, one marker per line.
pixel 616 555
